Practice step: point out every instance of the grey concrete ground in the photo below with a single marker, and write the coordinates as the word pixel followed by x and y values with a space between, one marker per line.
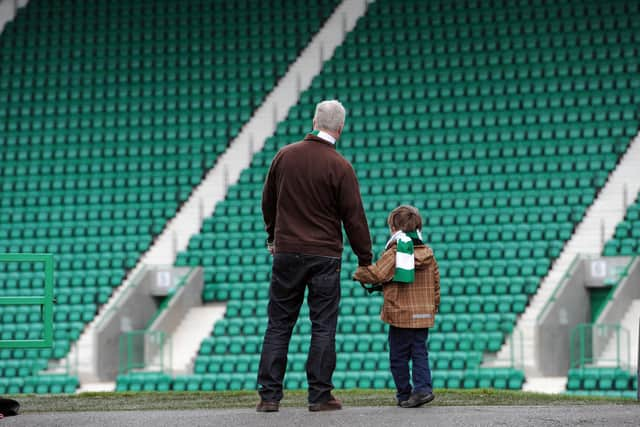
pixel 521 416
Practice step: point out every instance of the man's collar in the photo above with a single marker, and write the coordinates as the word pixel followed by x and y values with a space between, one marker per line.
pixel 324 135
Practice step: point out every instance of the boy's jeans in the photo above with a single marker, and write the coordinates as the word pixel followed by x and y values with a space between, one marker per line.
pixel 291 275
pixel 409 344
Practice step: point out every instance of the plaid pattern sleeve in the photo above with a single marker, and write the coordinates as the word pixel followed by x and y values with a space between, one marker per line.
pixel 436 283
pixel 380 272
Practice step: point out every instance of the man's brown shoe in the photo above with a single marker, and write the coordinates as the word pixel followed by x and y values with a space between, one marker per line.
pixel 268 406
pixel 332 404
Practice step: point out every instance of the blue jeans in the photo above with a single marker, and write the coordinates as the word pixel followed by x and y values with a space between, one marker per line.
pixel 291 274
pixel 406 345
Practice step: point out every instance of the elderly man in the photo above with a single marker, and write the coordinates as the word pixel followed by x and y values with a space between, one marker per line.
pixel 310 191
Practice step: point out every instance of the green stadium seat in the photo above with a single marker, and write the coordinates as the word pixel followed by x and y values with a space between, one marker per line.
pixel 601 382
pixel 510 162
pixel 109 142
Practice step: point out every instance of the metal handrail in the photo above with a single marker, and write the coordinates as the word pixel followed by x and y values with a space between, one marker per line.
pixel 566 276
pixel 611 294
pixel 578 333
pixel 125 350
pixel 133 283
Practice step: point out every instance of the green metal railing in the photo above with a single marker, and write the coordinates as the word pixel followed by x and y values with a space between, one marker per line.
pixel 619 275
pixel 45 301
pixel 127 288
pixel 145 350
pixel 515 358
pixel 136 348
pixel 588 341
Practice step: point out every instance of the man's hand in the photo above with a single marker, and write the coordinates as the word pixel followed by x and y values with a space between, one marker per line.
pixel 361 274
pixel 270 247
pixel 365 276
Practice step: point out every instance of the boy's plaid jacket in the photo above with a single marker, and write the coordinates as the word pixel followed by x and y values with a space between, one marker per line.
pixel 406 305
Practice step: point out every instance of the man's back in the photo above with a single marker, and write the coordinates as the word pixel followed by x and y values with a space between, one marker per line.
pixel 309 191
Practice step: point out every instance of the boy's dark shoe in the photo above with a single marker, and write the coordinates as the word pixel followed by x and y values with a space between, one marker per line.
pixel 268 406
pixel 332 404
pixel 417 399
pixel 401 400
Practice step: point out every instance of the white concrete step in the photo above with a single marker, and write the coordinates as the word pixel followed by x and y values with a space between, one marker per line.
pixel 630 323
pixel 96 387
pixel 186 339
pixel 8 11
pixel 548 385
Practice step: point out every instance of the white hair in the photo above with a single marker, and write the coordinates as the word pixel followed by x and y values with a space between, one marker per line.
pixel 329 115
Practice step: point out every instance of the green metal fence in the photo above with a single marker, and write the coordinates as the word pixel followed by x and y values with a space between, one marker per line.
pixel 45 301
pixel 588 342
pixel 515 357
pixel 145 350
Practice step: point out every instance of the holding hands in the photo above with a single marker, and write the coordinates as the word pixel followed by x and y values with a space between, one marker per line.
pixel 364 275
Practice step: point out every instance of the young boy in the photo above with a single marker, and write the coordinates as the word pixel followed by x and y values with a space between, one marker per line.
pixel 410 279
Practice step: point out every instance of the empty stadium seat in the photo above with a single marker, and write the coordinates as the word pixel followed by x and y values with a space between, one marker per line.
pixel 501 134
pixel 601 381
pixel 626 238
pixel 501 147
pixel 107 127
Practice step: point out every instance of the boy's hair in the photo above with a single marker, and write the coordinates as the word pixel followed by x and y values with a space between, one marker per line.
pixel 405 218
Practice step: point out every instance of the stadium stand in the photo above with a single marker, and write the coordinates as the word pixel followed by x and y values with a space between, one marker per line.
pixel 626 239
pixel 110 113
pixel 500 120
pixel 596 381
pixel 609 381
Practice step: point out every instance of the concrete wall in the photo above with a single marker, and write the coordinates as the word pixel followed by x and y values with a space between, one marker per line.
pixel 8 10
pixel 135 309
pixel 185 298
pixel 628 289
pixel 598 270
pixel 189 295
pixel 571 306
pixel 616 308
pixel 131 313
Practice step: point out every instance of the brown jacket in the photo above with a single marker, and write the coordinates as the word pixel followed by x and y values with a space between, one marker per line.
pixel 309 193
pixel 406 305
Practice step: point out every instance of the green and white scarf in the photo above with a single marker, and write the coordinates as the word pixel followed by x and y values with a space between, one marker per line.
pixel 405 262
pixel 324 135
